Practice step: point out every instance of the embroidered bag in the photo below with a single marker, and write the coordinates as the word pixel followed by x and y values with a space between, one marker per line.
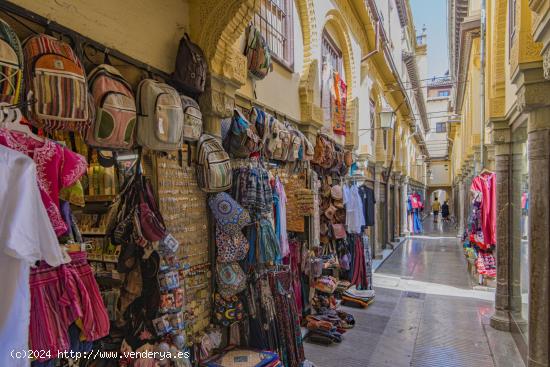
pixel 115 117
pixel 295 145
pixel 324 152
pixel 231 247
pixel 11 64
pixel 191 67
pixel 229 215
pixel 257 54
pixel 242 139
pixel 213 165
pixel 160 117
pixel 55 81
pixel 279 140
pixel 228 311
pixel 231 279
pixel 192 119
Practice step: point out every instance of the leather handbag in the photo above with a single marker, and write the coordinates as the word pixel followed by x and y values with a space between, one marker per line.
pixel 229 215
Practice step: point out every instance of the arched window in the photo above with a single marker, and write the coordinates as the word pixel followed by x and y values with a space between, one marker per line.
pixel 333 85
pixel 274 20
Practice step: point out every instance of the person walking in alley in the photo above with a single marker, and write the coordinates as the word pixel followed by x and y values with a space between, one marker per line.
pixel 445 211
pixel 436 206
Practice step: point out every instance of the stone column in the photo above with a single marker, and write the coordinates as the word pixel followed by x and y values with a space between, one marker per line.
pixel 378 212
pixel 404 196
pixel 501 319
pixel 460 211
pixel 539 235
pixel 397 205
pixel 533 100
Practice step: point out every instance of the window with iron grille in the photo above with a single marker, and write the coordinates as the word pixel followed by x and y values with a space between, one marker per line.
pixel 274 20
pixel 331 53
pixel 441 127
pixel 511 21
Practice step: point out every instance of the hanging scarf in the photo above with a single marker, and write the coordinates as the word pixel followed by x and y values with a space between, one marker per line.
pixel 339 105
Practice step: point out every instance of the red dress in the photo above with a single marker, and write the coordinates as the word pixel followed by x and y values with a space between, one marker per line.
pixel 484 185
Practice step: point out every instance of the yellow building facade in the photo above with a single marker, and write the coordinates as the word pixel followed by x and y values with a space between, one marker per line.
pixel 514 136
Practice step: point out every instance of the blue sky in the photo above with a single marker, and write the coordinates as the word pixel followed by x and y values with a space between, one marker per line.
pixel 433 13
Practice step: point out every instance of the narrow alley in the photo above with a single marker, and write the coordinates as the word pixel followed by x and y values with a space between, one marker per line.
pixel 427 313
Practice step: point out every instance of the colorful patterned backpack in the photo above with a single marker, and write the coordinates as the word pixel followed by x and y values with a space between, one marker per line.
pixel 11 64
pixel 55 83
pixel 213 165
pixel 160 117
pixel 231 279
pixel 257 54
pixel 231 247
pixel 242 138
pixel 230 216
pixel 228 311
pixel 113 127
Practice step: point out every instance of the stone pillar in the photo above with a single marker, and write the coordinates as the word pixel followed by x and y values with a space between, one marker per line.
pixel 378 212
pixel 461 205
pixel 397 205
pixel 387 213
pixel 539 236
pixel 501 319
pixel 404 215
pixel 533 100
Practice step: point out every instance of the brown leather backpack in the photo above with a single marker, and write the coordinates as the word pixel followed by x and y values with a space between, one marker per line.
pixel 324 152
pixel 191 67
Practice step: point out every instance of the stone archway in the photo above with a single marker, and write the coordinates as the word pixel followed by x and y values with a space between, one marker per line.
pixel 436 191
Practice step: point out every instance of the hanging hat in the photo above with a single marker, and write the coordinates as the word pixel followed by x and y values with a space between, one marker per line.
pixel 330 212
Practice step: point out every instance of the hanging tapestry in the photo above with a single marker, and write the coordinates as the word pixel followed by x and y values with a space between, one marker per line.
pixel 339 105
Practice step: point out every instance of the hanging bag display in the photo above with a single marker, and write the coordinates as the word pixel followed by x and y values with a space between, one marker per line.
pixel 160 117
pixel 11 64
pixel 257 54
pixel 150 218
pixel 115 105
pixel 231 247
pixel 213 165
pixel 191 67
pixel 242 138
pixel 55 83
pixel 192 119
pixel 229 215
pixel 324 152
pixel 231 279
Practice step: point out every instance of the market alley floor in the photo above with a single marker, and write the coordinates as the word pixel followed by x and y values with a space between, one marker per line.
pixel 426 313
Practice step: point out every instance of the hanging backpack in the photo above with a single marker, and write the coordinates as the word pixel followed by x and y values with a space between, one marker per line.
pixel 191 67
pixel 160 116
pixel 213 165
pixel 192 119
pixel 257 54
pixel 115 117
pixel 55 85
pixel 11 64
pixel 242 138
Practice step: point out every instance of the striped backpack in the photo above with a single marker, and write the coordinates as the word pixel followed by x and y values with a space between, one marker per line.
pixel 55 85
pixel 213 165
pixel 113 127
pixel 11 64
pixel 258 54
